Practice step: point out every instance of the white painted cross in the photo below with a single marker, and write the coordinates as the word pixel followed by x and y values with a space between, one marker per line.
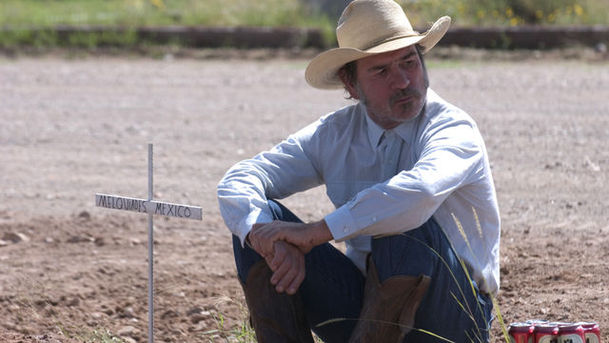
pixel 150 207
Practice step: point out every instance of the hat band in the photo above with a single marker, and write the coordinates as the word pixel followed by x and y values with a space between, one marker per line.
pixel 386 40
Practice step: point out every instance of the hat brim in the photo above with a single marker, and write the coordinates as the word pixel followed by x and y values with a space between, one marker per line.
pixel 322 71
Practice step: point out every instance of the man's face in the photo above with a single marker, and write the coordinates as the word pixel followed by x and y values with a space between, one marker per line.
pixel 392 86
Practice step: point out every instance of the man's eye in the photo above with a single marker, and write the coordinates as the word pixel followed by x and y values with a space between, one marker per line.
pixel 408 62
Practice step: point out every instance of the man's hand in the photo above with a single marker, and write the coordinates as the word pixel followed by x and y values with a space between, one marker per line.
pixel 288 265
pixel 283 245
pixel 305 236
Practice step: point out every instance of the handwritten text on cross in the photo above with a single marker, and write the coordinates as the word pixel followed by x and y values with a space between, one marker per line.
pixel 148 206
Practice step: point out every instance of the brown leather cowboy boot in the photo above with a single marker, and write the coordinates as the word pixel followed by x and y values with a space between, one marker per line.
pixel 389 308
pixel 276 317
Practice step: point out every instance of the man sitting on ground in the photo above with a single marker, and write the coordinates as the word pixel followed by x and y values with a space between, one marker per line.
pixel 415 203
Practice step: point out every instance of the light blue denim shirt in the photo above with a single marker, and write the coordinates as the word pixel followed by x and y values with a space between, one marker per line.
pixel 444 172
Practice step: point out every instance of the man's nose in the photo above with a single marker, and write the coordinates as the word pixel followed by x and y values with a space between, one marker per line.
pixel 399 78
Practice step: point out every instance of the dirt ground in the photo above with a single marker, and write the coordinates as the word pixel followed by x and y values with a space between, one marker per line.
pixel 73 127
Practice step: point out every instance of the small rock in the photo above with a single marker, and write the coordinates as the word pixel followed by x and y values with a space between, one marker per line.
pixel 169 314
pixel 15 237
pixel 199 327
pixel 84 215
pixel 3 243
pixel 97 315
pixel 194 310
pixel 40 303
pixel 219 274
pixel 196 318
pixel 128 312
pixel 78 239
pixel 73 302
pixel 10 326
pixel 50 312
pixel 591 165
pixel 128 331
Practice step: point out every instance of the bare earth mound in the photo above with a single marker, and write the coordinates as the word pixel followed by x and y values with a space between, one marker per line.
pixel 71 272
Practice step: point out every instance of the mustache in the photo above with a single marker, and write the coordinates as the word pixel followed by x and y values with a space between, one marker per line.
pixel 404 94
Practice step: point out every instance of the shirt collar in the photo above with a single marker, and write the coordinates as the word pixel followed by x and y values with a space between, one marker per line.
pixel 375 132
pixel 407 129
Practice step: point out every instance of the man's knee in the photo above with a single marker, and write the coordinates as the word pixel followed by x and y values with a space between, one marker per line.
pixel 282 213
pixel 414 252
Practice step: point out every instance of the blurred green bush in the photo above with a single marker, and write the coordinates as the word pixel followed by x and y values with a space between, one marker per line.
pixel 509 12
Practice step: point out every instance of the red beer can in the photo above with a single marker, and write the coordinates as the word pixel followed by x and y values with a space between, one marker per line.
pixel 521 333
pixel 545 333
pixel 592 332
pixel 571 333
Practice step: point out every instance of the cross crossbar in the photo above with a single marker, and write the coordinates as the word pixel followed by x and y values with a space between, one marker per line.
pixel 148 206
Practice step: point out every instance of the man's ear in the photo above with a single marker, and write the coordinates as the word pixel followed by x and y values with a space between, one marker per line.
pixel 349 83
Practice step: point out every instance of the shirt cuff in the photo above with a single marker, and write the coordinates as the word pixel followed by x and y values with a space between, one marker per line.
pixel 255 217
pixel 341 224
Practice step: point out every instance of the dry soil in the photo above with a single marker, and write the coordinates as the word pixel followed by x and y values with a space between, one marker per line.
pixel 72 127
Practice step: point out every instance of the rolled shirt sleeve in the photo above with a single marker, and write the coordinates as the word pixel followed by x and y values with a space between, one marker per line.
pixel 274 174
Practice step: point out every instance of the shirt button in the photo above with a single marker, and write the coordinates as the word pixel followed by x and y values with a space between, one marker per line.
pixel 345 229
pixel 374 219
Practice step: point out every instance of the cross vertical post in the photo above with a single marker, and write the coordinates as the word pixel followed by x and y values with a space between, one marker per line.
pixel 150 252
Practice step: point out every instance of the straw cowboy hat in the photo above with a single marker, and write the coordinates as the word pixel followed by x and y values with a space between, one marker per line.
pixel 369 27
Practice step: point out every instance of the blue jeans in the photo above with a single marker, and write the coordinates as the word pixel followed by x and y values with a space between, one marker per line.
pixel 333 287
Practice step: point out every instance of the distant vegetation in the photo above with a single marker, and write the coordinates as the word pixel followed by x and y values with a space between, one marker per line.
pixel 157 12
pixel 21 21
pixel 19 18
pixel 511 12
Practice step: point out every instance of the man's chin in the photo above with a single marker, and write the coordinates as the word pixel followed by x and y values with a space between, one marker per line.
pixel 407 112
pixel 406 117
